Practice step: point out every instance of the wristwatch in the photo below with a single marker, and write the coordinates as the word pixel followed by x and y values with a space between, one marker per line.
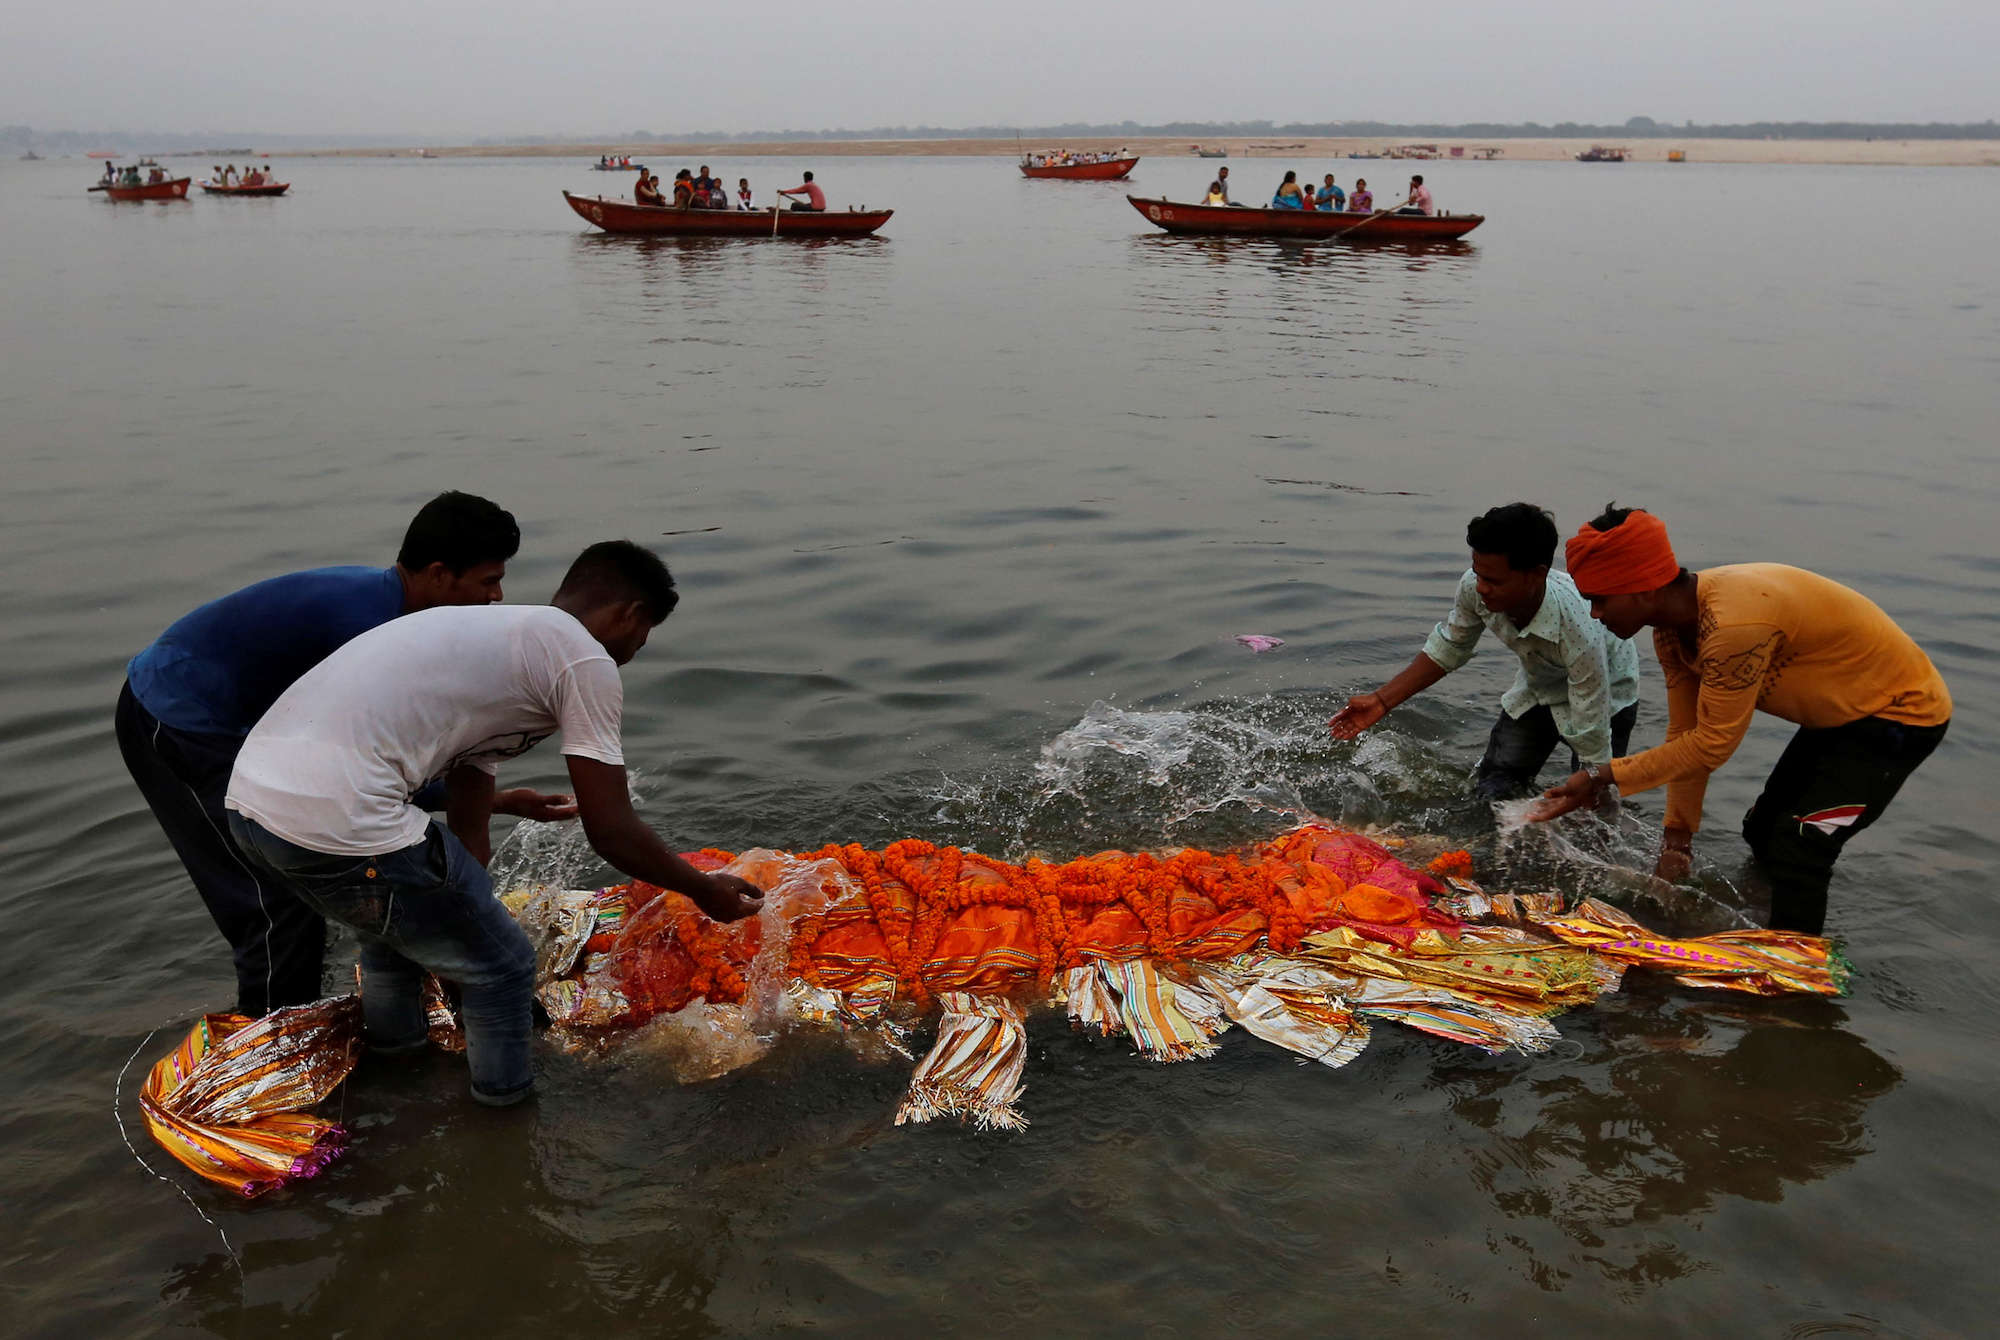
pixel 1600 777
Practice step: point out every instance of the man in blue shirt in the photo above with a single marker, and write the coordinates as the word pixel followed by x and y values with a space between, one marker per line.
pixel 192 696
pixel 1577 684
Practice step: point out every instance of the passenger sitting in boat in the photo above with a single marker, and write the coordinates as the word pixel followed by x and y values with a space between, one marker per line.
pixel 743 200
pixel 155 177
pixel 815 199
pixel 647 191
pixel 110 173
pixel 1419 199
pixel 1287 196
pixel 683 189
pixel 1306 200
pixel 704 187
pixel 1331 197
pixel 1363 199
pixel 1216 195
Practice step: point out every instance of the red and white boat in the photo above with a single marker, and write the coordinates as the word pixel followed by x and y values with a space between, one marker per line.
pixel 629 219
pixel 1109 169
pixel 1236 221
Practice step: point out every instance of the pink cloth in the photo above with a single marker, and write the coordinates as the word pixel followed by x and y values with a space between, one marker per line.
pixel 1423 194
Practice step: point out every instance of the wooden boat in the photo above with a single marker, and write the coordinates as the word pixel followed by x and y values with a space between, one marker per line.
pixel 1200 152
pixel 268 188
pixel 1236 221
pixel 1677 156
pixel 176 189
pixel 1599 153
pixel 1111 169
pixel 626 218
pixel 617 167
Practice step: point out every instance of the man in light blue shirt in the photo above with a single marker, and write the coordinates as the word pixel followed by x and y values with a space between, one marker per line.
pixel 1577 683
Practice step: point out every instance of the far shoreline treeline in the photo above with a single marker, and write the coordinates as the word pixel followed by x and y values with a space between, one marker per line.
pixel 1638 127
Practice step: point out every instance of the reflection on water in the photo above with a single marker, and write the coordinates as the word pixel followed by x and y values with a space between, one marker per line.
pixel 1672 1106
pixel 967 518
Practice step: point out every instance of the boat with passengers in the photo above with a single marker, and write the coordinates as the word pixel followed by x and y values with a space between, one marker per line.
pixel 1238 221
pixel 154 184
pixel 624 217
pixel 1078 167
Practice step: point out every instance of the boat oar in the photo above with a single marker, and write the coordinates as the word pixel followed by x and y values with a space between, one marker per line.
pixel 1372 216
pixel 774 219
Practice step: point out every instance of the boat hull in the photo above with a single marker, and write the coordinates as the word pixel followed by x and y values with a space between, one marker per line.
pixel 272 188
pixel 176 189
pixel 627 219
pixel 1235 221
pixel 1110 171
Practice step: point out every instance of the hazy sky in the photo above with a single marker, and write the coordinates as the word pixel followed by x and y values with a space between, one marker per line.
pixel 449 68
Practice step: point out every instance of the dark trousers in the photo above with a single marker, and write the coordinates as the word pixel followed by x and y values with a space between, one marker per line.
pixel 1829 785
pixel 1519 746
pixel 279 943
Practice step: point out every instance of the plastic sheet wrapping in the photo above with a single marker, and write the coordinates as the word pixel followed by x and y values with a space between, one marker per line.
pixel 228 1101
pixel 974 1070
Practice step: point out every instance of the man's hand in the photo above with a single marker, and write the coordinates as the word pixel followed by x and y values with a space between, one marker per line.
pixel 732 899
pixel 523 803
pixel 1362 711
pixel 1676 855
pixel 1576 791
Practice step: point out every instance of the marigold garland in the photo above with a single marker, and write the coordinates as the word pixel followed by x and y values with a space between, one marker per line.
pixel 900 904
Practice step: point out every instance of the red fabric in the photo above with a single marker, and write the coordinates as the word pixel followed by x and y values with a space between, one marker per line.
pixel 1632 557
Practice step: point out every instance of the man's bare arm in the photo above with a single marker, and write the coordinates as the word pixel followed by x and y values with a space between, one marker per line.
pixel 615 831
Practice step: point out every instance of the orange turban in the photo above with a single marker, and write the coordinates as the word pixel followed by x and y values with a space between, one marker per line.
pixel 1631 557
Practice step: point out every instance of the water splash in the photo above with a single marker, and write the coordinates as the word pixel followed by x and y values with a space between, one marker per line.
pixel 556 855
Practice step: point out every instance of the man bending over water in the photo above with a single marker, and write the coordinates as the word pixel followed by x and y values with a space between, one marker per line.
pixel 191 697
pixel 1732 640
pixel 1575 685
pixel 320 797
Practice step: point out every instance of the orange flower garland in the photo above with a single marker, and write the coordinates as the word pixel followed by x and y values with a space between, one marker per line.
pixel 912 897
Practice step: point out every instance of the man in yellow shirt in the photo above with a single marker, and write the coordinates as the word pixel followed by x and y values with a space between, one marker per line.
pixel 1869 704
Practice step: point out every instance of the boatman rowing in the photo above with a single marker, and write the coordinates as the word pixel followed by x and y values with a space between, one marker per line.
pixel 815 199
pixel 1731 640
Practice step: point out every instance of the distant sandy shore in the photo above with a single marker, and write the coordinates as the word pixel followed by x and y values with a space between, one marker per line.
pixel 1905 153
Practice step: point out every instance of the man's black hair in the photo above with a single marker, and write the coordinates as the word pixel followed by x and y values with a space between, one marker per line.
pixel 611 571
pixel 459 530
pixel 1522 533
pixel 1612 517
pixel 809 176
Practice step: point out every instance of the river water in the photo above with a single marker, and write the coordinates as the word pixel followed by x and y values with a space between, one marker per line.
pixel 966 519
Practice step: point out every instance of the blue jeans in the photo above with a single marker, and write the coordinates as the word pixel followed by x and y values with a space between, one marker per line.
pixel 429 907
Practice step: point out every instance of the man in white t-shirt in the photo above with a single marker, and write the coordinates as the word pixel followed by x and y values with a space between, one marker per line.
pixel 321 794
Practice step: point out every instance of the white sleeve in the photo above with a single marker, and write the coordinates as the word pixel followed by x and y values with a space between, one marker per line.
pixel 590 704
